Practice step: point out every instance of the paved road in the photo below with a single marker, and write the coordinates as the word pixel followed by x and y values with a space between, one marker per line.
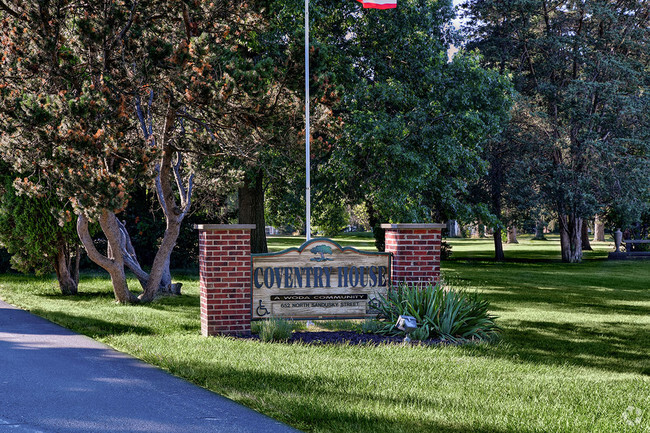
pixel 53 380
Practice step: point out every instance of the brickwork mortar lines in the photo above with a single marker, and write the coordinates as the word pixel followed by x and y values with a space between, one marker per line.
pixel 224 264
pixel 416 254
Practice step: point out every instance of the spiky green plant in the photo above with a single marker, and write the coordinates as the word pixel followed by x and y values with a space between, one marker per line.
pixel 441 313
pixel 275 329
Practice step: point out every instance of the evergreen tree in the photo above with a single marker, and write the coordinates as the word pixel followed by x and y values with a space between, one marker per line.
pixel 39 234
pixel 583 66
pixel 98 97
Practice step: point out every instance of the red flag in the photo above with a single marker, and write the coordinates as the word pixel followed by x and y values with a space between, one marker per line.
pixel 378 4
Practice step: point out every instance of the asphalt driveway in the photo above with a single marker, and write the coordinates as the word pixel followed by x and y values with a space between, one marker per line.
pixel 53 380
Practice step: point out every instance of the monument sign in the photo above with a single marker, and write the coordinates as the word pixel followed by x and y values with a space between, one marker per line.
pixel 319 280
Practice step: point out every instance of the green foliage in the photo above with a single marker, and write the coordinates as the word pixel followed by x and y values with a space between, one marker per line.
pixel 274 329
pixel 445 250
pixel 403 119
pixel 332 218
pixel 580 137
pixel 372 326
pixel 421 333
pixel 440 311
pixel 33 229
pixel 5 260
pixel 413 138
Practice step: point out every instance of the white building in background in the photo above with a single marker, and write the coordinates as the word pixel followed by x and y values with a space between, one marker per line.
pixel 270 230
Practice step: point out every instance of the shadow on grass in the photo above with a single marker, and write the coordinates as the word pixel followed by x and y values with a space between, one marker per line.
pixel 92 327
pixel 165 302
pixel 580 302
pixel 306 403
pixel 609 346
pixel 591 314
pixel 79 297
pixel 530 258
pixel 161 303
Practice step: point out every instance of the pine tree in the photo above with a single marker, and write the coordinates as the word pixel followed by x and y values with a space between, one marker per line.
pixel 584 66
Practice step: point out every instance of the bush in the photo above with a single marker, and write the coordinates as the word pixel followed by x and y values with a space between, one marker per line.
pixel 273 329
pixel 441 313
pixel 372 326
pixel 445 250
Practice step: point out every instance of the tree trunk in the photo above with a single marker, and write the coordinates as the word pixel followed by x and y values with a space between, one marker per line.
pixel 160 267
pixel 174 216
pixel 453 229
pixel 77 261
pixel 66 276
pixel 499 256
pixel 539 231
pixel 512 235
pixel 378 233
pixel 584 232
pixel 599 230
pixel 251 211
pixel 571 238
pixel 159 281
pixel 115 265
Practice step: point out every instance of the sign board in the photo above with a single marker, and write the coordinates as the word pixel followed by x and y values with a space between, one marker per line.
pixel 319 280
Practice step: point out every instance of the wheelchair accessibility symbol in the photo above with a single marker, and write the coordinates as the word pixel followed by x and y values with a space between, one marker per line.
pixel 261 310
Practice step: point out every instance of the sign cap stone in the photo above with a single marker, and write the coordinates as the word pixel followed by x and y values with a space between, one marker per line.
pixel 408 226
pixel 224 226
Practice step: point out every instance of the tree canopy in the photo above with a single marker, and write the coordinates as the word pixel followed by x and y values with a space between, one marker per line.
pixel 583 68
pixel 98 97
pixel 407 127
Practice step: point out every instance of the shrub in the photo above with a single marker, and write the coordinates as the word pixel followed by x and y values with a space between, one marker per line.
pixel 421 333
pixel 372 326
pixel 445 250
pixel 274 329
pixel 441 313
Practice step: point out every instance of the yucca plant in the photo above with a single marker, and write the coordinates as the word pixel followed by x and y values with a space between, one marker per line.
pixel 441 313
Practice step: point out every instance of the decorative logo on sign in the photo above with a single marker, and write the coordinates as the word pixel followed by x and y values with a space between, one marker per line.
pixel 322 250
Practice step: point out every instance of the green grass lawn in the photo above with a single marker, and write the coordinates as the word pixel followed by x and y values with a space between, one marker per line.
pixel 360 241
pixel 574 355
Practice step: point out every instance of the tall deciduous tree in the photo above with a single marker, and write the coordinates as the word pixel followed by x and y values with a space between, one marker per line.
pixel 414 122
pixel 509 186
pixel 584 64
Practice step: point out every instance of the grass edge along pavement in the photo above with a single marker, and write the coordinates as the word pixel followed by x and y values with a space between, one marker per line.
pixel 573 357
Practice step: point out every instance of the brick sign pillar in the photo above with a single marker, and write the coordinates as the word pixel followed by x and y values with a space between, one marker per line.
pixel 225 278
pixel 416 252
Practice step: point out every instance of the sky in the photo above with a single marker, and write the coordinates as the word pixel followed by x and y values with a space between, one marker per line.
pixel 453 50
pixel 457 21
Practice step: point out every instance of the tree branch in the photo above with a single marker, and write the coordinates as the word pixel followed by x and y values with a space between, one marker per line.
pixel 128 253
pixel 128 25
pixel 87 241
pixel 6 8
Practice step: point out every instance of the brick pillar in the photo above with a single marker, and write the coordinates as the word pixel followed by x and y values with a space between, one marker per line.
pixel 225 278
pixel 416 252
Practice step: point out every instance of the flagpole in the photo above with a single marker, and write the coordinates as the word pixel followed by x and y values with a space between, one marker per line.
pixel 307 153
